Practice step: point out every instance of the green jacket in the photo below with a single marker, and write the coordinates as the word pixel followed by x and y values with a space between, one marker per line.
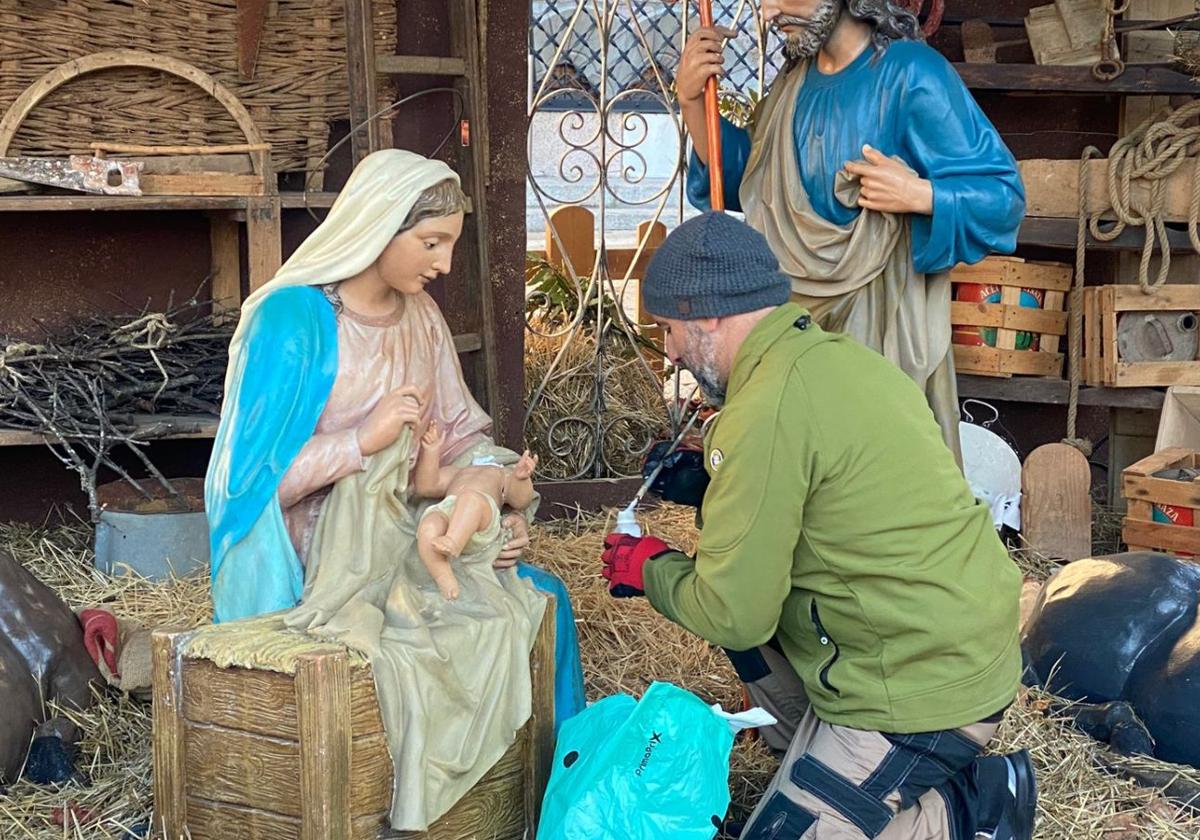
pixel 838 521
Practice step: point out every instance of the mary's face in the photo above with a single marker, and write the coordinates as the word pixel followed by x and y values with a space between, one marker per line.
pixel 420 254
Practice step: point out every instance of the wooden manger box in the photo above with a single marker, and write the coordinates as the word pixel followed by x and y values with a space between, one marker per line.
pixel 1162 511
pixel 1007 317
pixel 253 754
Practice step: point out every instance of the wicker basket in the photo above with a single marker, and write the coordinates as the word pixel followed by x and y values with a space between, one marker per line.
pixel 300 83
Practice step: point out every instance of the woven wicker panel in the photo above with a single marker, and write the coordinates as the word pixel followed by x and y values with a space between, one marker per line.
pixel 299 86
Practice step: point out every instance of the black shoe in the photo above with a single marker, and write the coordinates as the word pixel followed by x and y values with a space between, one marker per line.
pixel 1008 796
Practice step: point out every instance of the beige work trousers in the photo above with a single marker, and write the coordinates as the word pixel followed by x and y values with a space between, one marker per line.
pixel 838 783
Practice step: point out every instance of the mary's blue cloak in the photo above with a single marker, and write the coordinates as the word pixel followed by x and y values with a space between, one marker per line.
pixel 278 387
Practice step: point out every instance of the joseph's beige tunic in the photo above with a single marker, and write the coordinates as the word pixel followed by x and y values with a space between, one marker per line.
pixel 856 279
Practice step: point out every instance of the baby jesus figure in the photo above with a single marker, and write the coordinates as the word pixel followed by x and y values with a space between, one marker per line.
pixel 468 517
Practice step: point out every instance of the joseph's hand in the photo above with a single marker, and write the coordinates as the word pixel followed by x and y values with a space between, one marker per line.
pixel 701 59
pixel 888 186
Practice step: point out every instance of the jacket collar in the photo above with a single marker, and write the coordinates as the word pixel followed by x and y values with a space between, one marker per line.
pixel 766 332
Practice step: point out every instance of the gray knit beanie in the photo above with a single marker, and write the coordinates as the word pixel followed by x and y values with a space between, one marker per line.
pixel 712 266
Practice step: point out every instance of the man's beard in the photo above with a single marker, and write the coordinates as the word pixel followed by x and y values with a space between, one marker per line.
pixel 814 31
pixel 702 364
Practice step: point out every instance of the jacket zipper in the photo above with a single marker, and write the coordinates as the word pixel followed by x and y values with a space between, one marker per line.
pixel 825 640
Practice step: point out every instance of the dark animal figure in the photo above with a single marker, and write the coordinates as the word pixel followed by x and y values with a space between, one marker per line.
pixel 1121 634
pixel 42 659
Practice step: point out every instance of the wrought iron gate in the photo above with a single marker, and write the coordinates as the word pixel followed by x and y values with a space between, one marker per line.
pixel 605 137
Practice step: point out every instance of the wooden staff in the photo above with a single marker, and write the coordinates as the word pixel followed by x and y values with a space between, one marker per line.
pixel 712 116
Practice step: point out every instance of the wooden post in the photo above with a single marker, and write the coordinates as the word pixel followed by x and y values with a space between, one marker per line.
pixel 652 234
pixel 573 250
pixel 540 742
pixel 263 238
pixel 472 166
pixel 169 736
pixel 323 711
pixel 226 262
pixel 360 64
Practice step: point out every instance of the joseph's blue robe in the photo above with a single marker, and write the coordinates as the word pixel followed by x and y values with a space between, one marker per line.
pixel 908 102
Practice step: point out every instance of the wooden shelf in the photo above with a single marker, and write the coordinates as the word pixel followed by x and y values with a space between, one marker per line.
pixel 168 427
pixel 1031 389
pixel 1145 81
pixel 1061 233
pixel 150 427
pixel 321 200
pixel 49 203
pixel 299 200
pixel 420 65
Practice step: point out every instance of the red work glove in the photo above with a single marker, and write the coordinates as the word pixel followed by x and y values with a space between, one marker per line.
pixel 624 556
pixel 100 637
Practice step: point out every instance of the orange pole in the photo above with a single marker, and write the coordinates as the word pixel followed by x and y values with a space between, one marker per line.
pixel 712 116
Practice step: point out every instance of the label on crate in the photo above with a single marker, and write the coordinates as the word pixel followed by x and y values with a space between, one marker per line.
pixel 1172 515
pixel 974 336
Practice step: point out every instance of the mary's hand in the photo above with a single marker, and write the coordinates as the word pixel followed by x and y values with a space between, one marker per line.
pixel 515 547
pixel 405 406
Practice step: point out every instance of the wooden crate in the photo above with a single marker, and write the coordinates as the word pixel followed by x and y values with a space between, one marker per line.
pixel 1176 499
pixel 247 754
pixel 1009 318
pixel 1102 364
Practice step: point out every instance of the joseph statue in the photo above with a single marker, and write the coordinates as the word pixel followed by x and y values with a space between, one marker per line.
pixel 871 171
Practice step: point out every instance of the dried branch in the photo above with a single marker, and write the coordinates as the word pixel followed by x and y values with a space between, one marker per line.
pixel 90 388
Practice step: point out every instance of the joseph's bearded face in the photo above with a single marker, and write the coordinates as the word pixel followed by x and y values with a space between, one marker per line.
pixel 807 24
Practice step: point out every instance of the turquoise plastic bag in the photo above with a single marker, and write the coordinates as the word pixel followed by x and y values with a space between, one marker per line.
pixel 654 769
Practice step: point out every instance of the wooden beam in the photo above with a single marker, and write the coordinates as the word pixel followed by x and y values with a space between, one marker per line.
pixel 360 64
pixel 203 183
pixel 1147 81
pixel 472 168
pixel 420 65
pixel 226 263
pixel 1052 189
pixel 1061 232
pixel 323 707
pixel 103 149
pixel 26 203
pixel 263 239
pixel 149 427
pixel 300 200
pixel 1055 392
pixel 169 740
pixel 468 343
pixel 539 760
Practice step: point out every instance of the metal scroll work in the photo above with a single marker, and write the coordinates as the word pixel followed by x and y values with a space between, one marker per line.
pixel 606 163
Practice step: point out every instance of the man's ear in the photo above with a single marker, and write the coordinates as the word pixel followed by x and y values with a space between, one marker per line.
pixel 708 325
